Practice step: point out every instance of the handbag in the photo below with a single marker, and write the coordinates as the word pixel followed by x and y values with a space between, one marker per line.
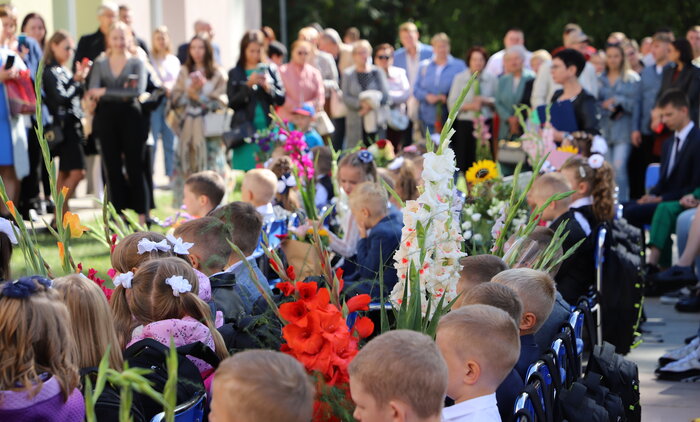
pixel 217 122
pixel 239 134
pixel 323 124
pixel 398 120
pixel 54 136
pixel 20 94
pixel 511 152
pixel 338 108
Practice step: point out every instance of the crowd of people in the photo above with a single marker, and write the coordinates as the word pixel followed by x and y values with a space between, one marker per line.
pixel 108 102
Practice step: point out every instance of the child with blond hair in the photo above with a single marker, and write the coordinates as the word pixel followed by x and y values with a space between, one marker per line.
pixel 537 294
pixel 261 385
pixel 258 189
pixel 380 236
pixel 383 388
pixel 476 368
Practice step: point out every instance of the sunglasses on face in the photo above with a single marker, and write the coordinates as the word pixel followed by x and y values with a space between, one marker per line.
pixel 383 57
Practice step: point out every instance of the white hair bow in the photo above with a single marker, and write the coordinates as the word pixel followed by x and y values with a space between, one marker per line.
pixel 180 247
pixel 124 280
pixel 596 161
pixel 147 245
pixel 285 182
pixel 7 227
pixel 179 284
pixel 396 164
pixel 599 145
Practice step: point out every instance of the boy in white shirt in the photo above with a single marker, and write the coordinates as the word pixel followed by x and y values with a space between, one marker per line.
pixel 480 344
pixel 398 376
pixel 258 189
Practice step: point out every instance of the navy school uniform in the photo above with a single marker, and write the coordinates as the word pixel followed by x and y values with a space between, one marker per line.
pixel 507 393
pixel 374 251
pixel 529 353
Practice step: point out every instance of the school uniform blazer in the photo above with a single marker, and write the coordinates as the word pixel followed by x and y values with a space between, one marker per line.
pixel 687 81
pixel 577 272
pixel 375 250
pixel 685 175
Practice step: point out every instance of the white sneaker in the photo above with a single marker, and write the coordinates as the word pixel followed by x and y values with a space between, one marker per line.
pixel 680 353
pixel 687 367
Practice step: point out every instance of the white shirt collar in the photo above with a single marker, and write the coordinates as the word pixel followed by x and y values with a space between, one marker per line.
pixel 683 133
pixel 582 202
pixel 478 409
pixel 236 265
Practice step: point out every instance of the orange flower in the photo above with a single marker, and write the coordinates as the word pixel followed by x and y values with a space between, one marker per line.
pixel 358 303
pixel 61 250
pixel 64 191
pixel 11 208
pixel 73 221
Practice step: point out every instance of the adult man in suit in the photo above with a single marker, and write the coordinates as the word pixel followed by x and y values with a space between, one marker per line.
pixel 680 172
pixel 92 45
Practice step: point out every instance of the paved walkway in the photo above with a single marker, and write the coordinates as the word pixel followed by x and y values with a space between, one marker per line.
pixel 664 401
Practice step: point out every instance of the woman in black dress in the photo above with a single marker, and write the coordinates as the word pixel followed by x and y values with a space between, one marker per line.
pixel 62 92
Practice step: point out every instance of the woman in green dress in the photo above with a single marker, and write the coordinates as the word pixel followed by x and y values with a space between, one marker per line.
pixel 254 85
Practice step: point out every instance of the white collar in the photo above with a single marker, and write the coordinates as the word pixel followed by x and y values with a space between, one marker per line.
pixel 266 209
pixel 236 265
pixel 582 202
pixel 683 133
pixel 469 408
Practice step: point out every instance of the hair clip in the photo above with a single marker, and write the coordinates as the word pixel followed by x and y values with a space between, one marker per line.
pixel 179 284
pixel 365 156
pixel 596 161
pixel 124 280
pixel 285 182
pixel 180 247
pixel 147 245
pixel 7 227
pixel 24 287
pixel 582 172
pixel 396 164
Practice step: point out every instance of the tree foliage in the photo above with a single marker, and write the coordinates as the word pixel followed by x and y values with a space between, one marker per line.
pixel 483 22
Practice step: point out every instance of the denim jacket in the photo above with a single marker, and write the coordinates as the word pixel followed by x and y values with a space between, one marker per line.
pixel 625 94
pixel 427 83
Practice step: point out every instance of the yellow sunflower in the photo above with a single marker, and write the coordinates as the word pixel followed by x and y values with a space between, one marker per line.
pixel 568 148
pixel 482 171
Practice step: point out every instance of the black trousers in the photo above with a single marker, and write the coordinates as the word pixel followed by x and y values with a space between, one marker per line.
pixel 38 177
pixel 119 126
pixel 640 158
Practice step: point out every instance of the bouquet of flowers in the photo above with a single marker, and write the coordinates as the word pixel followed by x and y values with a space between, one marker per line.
pixel 537 139
pixel 383 152
pixel 267 140
pixel 482 134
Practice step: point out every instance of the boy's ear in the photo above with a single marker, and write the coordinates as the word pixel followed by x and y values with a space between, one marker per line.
pixel 472 372
pixel 398 411
pixel 194 261
pixel 527 321
pixel 202 200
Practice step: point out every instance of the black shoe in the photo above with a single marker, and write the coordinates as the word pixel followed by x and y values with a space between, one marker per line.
pixel 689 305
pixel 50 206
pixel 676 273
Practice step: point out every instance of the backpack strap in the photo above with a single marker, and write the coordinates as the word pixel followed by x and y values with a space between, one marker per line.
pixel 547 409
pixel 588 321
pixel 201 351
pixel 139 346
pixel 548 359
pixel 536 402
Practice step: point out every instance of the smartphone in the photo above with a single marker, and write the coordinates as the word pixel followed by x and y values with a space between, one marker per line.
pixel 10 62
pixel 22 40
pixel 85 62
pixel 261 68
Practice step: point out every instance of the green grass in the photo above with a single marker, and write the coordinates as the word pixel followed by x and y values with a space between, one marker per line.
pixel 90 252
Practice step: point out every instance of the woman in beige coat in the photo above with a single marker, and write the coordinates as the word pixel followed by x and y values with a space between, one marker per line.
pixel 200 89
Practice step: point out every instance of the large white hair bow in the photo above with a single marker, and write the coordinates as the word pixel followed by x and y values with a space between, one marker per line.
pixel 7 227
pixel 179 284
pixel 147 245
pixel 124 280
pixel 180 247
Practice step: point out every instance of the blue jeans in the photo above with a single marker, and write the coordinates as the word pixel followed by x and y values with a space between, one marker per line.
pixel 159 128
pixel 617 155
pixel 682 230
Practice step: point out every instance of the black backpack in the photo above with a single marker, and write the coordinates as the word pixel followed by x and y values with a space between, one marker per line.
pixel 623 285
pixel 604 397
pixel 619 375
pixel 576 406
pixel 151 354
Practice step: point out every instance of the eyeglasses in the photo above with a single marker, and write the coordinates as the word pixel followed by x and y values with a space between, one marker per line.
pixel 383 57
pixel 303 53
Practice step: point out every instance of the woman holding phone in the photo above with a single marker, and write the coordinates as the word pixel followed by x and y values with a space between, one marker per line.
pixel 200 88
pixel 117 79
pixel 62 92
pixel 253 86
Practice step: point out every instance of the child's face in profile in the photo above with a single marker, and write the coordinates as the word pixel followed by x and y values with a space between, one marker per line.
pixel 581 188
pixel 360 215
pixel 193 204
pixel 366 407
pixel 455 367
pixel 301 122
pixel 349 177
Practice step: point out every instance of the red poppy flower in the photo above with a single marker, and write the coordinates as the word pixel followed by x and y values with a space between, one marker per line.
pixel 358 303
pixel 286 288
pixel 364 327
